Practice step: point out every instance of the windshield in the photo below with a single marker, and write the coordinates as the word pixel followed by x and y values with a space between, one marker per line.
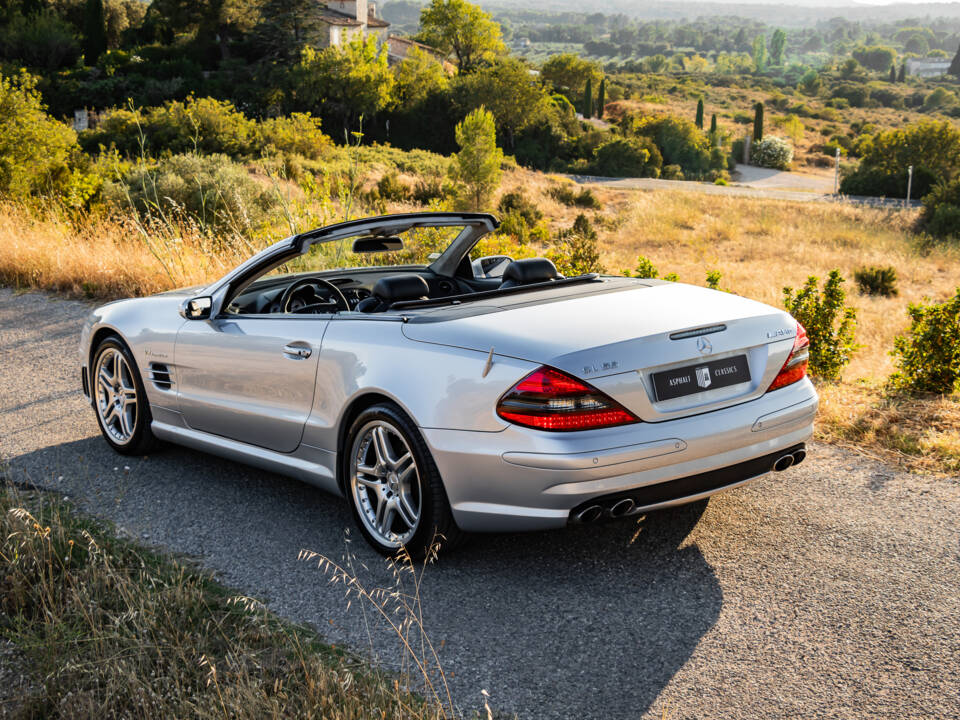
pixel 415 247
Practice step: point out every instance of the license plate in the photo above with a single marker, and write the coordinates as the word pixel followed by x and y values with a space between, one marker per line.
pixel 701 377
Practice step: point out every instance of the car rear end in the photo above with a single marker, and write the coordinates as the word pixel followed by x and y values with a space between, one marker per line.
pixel 674 413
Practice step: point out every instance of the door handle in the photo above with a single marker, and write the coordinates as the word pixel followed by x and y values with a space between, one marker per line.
pixel 297 351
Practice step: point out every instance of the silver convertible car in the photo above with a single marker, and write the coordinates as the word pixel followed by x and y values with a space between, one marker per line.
pixel 445 391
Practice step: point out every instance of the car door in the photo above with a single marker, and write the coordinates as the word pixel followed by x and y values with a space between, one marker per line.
pixel 249 378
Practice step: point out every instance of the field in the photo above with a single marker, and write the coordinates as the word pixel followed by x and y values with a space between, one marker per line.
pixel 758 245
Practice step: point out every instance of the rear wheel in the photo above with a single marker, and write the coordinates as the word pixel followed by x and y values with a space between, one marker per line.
pixel 394 486
pixel 119 399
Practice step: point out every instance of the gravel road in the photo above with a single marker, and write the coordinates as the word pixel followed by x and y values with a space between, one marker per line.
pixel 828 591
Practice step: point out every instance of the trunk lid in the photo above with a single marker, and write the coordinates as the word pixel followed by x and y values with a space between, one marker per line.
pixel 618 340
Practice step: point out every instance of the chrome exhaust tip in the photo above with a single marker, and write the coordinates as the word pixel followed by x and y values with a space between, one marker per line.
pixel 590 514
pixel 798 456
pixel 622 507
pixel 783 463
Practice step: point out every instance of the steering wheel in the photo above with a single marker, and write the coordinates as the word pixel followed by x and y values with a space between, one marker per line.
pixel 287 300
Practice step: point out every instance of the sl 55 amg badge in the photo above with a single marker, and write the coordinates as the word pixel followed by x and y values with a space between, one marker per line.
pixel 782 332
pixel 600 367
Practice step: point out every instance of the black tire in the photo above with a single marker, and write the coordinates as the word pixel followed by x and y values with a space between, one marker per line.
pixel 141 441
pixel 436 524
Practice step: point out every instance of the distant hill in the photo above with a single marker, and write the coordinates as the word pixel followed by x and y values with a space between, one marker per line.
pixel 799 13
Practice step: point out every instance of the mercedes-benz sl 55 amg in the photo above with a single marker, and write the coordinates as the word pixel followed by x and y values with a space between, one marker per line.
pixel 444 392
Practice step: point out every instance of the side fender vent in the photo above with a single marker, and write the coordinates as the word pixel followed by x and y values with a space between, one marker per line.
pixel 160 376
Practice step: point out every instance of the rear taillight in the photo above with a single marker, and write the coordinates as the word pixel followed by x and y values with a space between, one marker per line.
pixel 795 368
pixel 548 399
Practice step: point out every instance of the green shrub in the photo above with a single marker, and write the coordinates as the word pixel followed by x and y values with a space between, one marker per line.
pixel 877 281
pixel 672 172
pixel 35 149
pixel 517 202
pixel 772 152
pixel 645 268
pixel 576 251
pixel 299 133
pixel 713 279
pixel 389 187
pixel 42 40
pixel 628 157
pixel 941 210
pixel 212 191
pixel 928 357
pixel 429 190
pixel 828 322
pixel 568 196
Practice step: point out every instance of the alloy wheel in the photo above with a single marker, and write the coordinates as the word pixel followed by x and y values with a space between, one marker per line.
pixel 385 484
pixel 116 396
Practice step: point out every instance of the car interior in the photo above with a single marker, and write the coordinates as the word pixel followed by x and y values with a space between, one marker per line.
pixel 378 289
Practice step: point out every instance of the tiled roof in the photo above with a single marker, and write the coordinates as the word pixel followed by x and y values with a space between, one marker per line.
pixel 332 17
pixel 377 22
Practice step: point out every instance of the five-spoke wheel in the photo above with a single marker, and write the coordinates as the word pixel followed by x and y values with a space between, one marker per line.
pixel 394 486
pixel 119 399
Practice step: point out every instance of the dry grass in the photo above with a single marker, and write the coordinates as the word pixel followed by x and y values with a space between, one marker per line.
pixel 115 631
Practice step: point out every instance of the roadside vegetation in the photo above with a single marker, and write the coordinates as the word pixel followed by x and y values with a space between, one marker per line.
pixel 107 628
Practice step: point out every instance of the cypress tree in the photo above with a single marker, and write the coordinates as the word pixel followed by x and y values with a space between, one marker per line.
pixel 955 65
pixel 902 75
pixel 758 122
pixel 94 31
pixel 893 73
pixel 602 98
pixel 588 99
pixel 713 124
pixel 699 119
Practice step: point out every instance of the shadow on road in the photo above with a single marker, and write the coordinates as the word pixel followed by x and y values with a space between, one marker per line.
pixel 574 623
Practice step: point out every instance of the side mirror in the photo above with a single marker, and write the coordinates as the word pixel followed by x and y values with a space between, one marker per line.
pixel 197 308
pixel 491 266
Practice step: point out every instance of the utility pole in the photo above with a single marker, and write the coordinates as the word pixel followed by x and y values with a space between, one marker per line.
pixel 909 182
pixel 836 172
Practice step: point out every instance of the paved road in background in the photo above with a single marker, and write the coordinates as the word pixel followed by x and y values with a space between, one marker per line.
pixel 828 591
pixel 795 188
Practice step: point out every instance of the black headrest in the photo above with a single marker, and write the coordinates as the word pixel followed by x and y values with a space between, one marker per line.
pixel 529 270
pixel 401 287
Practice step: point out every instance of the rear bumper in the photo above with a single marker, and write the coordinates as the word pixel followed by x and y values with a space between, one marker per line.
pixel 524 479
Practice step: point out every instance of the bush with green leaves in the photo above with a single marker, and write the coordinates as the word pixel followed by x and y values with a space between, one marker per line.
pixel 628 157
pixel 566 194
pixel 828 321
pixel 941 210
pixel 35 149
pixel 211 190
pixel 517 202
pixel 877 280
pixel 576 251
pixel 646 269
pixel 772 152
pixel 928 356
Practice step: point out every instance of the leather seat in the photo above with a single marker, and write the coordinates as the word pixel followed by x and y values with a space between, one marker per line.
pixel 528 271
pixel 394 288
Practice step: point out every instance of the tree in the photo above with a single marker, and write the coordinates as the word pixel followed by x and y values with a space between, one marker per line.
pixel 893 73
pixel 713 125
pixel 602 98
pixel 902 74
pixel 477 165
pixel 810 83
pixel 759 53
pixel 588 99
pixel 461 28
pixel 778 44
pixel 699 121
pixel 758 122
pixel 418 75
pixel 94 31
pixel 288 25
pixel 955 65
pixel 507 90
pixel 875 57
pixel 344 82
pixel 568 73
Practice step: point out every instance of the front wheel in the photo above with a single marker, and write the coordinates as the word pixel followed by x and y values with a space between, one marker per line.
pixel 394 486
pixel 119 399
